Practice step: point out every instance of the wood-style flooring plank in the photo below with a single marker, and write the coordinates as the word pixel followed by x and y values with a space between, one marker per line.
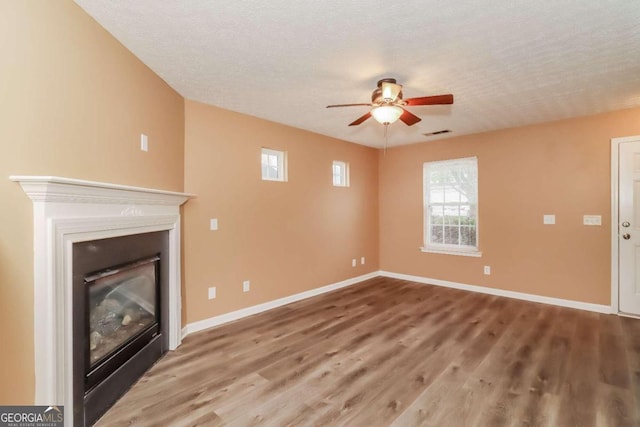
pixel 521 382
pixel 392 352
pixel 579 390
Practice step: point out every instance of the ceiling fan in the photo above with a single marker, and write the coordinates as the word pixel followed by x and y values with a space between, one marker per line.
pixel 388 106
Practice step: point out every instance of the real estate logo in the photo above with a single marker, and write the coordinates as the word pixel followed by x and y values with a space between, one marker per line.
pixel 31 416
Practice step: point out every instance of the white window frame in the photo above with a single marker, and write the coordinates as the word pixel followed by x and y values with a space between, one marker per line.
pixel 280 166
pixel 443 248
pixel 342 175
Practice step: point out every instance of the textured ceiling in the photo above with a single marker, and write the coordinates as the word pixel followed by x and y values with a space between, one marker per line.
pixel 508 63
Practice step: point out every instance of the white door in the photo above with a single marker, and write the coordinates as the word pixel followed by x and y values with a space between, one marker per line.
pixel 629 227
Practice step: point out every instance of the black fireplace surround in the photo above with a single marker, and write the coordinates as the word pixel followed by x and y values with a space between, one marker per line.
pixel 120 287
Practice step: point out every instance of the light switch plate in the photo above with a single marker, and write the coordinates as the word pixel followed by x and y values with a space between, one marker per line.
pixel 212 292
pixel 549 219
pixel 213 224
pixel 592 219
pixel 144 142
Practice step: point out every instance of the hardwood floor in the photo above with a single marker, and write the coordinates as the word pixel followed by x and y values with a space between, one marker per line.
pixel 390 352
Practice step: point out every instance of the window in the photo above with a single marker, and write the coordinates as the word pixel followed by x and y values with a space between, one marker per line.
pixel 451 207
pixel 274 165
pixel 340 174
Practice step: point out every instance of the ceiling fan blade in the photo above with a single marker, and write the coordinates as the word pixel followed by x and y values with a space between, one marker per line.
pixel 360 120
pixel 431 100
pixel 347 105
pixel 408 118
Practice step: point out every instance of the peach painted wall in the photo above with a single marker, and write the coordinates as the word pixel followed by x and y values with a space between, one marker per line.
pixel 560 168
pixel 73 102
pixel 285 237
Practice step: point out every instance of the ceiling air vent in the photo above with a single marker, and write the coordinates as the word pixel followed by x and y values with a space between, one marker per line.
pixel 438 132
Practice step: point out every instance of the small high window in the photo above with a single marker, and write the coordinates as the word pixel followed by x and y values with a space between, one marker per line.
pixel 340 174
pixel 274 165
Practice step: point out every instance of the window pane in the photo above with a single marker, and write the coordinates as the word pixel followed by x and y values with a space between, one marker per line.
pixel 467 219
pixel 451 235
pixel 437 214
pixel 451 195
pixel 451 214
pixel 437 234
pixel 272 166
pixel 437 195
pixel 468 236
pixel 435 177
pixel 465 211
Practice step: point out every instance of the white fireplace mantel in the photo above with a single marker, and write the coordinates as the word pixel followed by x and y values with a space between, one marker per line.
pixel 66 211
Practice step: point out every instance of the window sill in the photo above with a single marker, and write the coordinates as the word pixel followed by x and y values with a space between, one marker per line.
pixel 471 253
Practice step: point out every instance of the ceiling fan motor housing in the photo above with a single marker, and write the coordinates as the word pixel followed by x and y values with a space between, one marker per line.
pixel 387 80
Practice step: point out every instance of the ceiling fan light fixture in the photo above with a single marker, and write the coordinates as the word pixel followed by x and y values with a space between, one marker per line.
pixel 386 114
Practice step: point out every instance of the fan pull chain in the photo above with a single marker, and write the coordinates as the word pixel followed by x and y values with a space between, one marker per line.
pixel 386 137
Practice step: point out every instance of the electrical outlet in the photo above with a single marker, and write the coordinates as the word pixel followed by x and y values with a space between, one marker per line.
pixel 212 292
pixel 487 270
pixel 213 224
pixel 362 260
pixel 246 286
pixel 353 262
pixel 144 142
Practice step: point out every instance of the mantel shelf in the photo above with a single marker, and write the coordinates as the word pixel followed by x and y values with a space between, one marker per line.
pixel 70 190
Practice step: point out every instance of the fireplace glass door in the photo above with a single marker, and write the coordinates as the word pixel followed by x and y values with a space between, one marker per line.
pixel 122 304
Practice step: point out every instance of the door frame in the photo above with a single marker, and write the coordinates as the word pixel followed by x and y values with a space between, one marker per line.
pixel 615 165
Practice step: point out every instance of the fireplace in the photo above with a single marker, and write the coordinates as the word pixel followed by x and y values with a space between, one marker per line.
pixel 122 311
pixel 122 308
pixel 73 218
pixel 118 302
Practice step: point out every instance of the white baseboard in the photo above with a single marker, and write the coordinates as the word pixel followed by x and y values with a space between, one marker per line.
pixel 249 311
pixel 598 308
